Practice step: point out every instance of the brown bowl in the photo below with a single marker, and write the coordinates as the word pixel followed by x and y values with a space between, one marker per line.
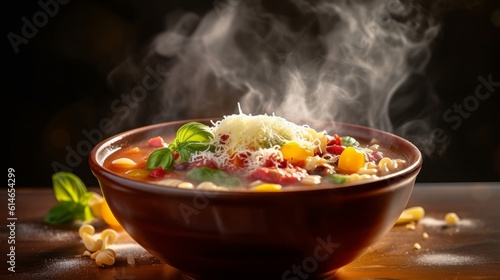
pixel 286 235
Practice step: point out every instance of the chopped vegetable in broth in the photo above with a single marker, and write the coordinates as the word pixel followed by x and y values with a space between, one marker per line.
pixel 253 153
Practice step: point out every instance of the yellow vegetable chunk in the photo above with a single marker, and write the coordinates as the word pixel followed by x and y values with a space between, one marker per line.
pixel 108 216
pixel 138 173
pixel 294 153
pixel 267 188
pixel 95 204
pixel 412 214
pixel 451 219
pixel 351 160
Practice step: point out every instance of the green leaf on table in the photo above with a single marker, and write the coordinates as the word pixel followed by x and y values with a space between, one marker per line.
pixel 68 187
pixel 63 213
pixel 73 198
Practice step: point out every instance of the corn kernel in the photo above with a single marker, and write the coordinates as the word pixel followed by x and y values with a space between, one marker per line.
pixel 451 219
pixel 411 226
pixel 425 235
pixel 267 188
pixel 417 246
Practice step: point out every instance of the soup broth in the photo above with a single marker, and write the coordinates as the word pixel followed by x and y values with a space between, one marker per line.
pixel 253 153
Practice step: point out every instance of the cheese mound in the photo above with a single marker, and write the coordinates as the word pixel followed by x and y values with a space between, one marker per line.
pixel 253 139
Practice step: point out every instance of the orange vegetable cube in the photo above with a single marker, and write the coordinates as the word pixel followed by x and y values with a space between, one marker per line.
pixel 351 160
pixel 295 154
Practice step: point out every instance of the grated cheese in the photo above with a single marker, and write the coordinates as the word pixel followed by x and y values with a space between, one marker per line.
pixel 257 138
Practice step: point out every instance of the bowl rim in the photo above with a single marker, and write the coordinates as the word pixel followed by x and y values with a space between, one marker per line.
pixel 381 182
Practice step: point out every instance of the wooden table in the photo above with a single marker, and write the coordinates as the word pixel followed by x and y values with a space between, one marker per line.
pixel 469 250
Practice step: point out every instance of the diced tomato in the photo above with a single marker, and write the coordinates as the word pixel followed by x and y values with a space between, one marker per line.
pixel 334 140
pixel 238 160
pixel 223 138
pixel 156 142
pixel 274 160
pixel 335 149
pixel 282 176
pixel 176 155
pixel 157 173
pixel 202 163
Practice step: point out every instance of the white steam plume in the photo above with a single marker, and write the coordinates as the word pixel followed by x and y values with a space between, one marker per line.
pixel 336 60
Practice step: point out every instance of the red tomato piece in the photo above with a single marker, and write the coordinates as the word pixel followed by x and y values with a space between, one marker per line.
pixel 335 149
pixel 156 142
pixel 334 140
pixel 223 138
pixel 282 176
pixel 157 173
pixel 274 160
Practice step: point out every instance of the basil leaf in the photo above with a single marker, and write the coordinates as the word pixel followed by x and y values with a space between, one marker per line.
pixel 85 213
pixel 84 200
pixel 185 154
pixel 63 213
pixel 73 198
pixel 349 141
pixel 68 187
pixel 194 132
pixel 215 176
pixel 162 157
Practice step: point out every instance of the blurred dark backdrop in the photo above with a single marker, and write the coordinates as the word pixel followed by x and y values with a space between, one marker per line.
pixel 57 91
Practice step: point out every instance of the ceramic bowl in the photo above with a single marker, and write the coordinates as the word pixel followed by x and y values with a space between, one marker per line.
pixel 301 234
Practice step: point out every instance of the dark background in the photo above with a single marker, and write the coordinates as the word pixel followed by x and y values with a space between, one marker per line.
pixel 56 86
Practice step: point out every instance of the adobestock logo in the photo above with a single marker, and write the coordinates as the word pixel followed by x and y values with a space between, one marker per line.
pixel 29 30
pixel 310 264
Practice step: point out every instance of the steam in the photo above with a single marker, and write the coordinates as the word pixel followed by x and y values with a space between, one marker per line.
pixel 334 60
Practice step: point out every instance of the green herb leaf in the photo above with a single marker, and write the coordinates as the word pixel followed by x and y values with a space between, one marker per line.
pixel 73 198
pixel 68 212
pixel 215 176
pixel 63 213
pixel 162 157
pixel 194 132
pixel 349 141
pixel 68 187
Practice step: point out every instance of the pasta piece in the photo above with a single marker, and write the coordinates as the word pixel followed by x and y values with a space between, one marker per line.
pixel 387 165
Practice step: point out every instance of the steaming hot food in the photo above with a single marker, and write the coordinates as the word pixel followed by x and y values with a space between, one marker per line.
pixel 256 194
pixel 259 153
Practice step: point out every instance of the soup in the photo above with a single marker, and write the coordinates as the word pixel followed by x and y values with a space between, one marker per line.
pixel 253 153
